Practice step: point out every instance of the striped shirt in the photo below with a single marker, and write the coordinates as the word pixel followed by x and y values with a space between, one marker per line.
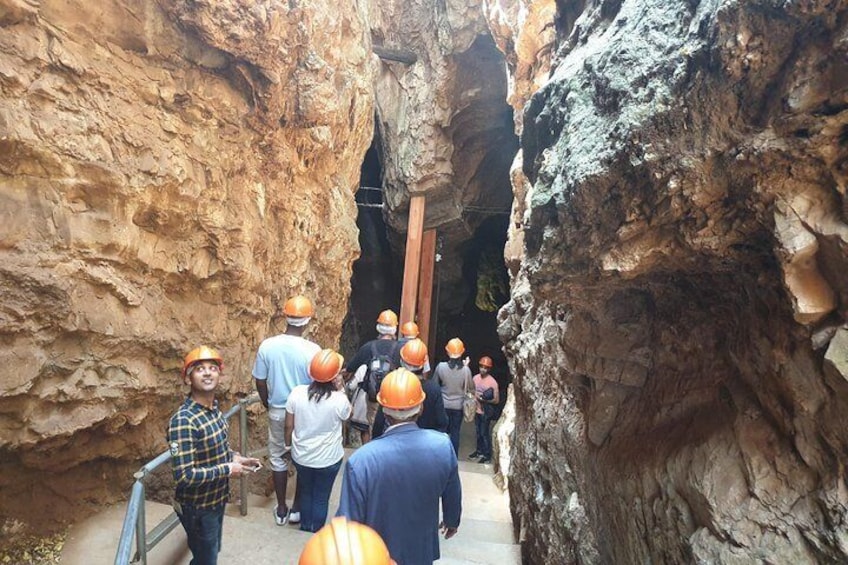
pixel 198 438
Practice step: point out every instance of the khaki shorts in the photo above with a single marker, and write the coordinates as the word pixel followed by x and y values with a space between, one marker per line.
pixel 277 438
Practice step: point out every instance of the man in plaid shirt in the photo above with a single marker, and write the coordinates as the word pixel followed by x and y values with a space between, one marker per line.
pixel 201 459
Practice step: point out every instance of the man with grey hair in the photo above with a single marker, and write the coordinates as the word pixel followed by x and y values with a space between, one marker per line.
pixel 282 363
pixel 395 483
pixel 379 356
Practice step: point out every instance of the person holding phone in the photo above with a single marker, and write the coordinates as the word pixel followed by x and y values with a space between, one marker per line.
pixel 201 459
pixel 314 417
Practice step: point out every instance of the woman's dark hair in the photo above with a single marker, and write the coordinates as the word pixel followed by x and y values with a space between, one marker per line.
pixel 320 390
pixel 454 363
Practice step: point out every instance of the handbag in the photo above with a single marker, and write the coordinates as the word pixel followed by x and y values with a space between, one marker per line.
pixel 469 404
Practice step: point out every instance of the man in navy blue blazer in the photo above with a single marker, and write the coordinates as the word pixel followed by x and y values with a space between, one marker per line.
pixel 394 483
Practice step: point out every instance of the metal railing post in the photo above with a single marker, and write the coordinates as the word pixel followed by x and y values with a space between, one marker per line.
pixel 141 523
pixel 243 450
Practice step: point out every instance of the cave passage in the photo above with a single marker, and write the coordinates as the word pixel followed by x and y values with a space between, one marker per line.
pixel 468 310
pixel 377 276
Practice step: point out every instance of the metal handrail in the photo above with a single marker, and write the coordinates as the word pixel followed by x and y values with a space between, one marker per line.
pixel 134 519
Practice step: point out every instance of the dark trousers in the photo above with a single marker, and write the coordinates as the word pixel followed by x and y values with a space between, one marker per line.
pixel 204 527
pixel 484 436
pixel 454 425
pixel 315 486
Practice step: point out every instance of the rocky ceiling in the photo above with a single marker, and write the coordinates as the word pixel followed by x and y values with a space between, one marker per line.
pixel 445 129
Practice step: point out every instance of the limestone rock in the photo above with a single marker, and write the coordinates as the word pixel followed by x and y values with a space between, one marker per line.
pixel 169 173
pixel 445 129
pixel 682 270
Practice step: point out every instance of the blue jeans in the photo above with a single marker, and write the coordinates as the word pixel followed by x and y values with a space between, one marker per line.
pixel 315 486
pixel 484 438
pixel 204 527
pixel 454 425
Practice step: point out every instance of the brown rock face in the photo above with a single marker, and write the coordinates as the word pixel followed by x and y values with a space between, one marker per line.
pixel 169 172
pixel 677 323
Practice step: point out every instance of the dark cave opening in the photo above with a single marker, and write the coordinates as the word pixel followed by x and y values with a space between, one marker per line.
pixel 376 282
pixel 470 214
pixel 486 278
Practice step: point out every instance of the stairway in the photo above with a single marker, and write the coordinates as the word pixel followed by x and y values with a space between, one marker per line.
pixel 485 534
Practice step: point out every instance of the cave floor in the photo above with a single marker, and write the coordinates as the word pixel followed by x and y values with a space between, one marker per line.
pixel 485 535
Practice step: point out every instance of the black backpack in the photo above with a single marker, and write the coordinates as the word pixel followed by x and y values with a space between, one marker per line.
pixel 378 367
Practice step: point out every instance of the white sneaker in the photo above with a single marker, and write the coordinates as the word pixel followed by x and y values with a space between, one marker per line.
pixel 280 521
pixel 294 517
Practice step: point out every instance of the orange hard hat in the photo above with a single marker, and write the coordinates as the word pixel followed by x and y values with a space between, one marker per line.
pixel 387 318
pixel 298 307
pixel 400 390
pixel 202 353
pixel 325 365
pixel 485 361
pixel 409 329
pixel 414 353
pixel 342 542
pixel 455 348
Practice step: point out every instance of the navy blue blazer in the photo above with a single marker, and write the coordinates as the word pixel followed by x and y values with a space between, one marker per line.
pixel 394 484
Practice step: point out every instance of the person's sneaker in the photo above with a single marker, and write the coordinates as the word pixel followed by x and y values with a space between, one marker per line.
pixel 294 517
pixel 484 459
pixel 280 520
pixel 474 455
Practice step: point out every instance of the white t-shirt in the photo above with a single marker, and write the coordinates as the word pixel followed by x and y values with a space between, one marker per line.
pixel 317 435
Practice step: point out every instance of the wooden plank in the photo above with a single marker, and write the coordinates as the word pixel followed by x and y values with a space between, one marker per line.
pixel 412 263
pixel 425 284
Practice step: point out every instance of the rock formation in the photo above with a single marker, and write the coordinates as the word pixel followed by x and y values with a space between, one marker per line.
pixel 679 294
pixel 169 172
pixel 444 127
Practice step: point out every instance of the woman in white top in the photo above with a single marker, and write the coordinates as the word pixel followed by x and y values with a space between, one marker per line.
pixel 314 416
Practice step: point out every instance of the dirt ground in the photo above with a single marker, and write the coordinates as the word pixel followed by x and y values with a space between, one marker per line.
pixel 32 550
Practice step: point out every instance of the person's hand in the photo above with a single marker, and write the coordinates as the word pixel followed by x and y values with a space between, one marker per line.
pixel 247 462
pixel 236 469
pixel 447 530
pixel 466 362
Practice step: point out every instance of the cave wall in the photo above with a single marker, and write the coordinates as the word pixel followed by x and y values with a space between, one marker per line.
pixel 170 172
pixel 446 128
pixel 678 255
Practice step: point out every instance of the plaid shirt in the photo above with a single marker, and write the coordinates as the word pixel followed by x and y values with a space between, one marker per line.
pixel 198 438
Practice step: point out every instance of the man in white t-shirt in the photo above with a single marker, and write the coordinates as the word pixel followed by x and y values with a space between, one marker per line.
pixel 282 363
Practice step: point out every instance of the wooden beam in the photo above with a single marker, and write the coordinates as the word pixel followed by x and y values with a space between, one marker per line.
pixel 412 263
pixel 425 284
pixel 405 57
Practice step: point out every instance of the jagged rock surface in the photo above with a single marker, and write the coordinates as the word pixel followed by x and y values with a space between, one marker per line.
pixel 677 322
pixel 169 171
pixel 445 129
